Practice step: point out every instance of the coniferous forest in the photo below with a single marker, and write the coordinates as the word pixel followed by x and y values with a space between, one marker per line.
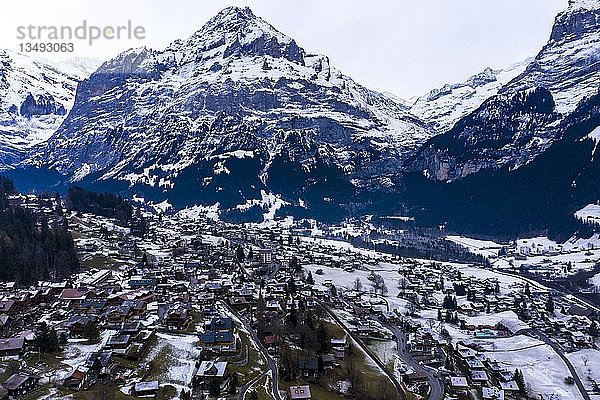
pixel 33 245
pixel 103 204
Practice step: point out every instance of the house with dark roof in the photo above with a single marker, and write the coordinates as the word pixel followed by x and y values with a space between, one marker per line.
pixel 77 325
pixel 309 368
pixel 93 306
pixel 218 342
pixel 142 283
pixel 177 317
pixel 221 325
pixel 76 379
pixel 73 297
pixel 20 384
pixel 12 346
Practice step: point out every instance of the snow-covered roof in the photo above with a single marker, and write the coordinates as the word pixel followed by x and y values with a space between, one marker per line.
pixel 514 325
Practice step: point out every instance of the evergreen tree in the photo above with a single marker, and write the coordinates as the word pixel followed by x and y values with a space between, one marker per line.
pixel 520 381
pixel 91 331
pixel 550 304
pixel 309 279
pixel 240 254
pixel 46 339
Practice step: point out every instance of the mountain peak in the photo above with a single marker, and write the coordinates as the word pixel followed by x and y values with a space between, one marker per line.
pixel 237 31
pixel 586 4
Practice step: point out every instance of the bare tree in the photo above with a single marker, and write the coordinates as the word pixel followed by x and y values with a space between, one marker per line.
pixel 357 285
pixel 402 284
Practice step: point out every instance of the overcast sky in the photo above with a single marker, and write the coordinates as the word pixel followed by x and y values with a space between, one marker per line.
pixel 405 47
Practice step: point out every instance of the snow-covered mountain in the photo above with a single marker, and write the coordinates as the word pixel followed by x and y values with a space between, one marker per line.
pixel 522 120
pixel 233 113
pixel 507 130
pixel 444 106
pixel 569 64
pixel 35 97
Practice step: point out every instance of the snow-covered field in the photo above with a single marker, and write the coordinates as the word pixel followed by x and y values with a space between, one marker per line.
pixel 485 248
pixel 589 213
pixel 595 280
pixel 182 353
pixel 587 365
pixel 345 280
pixel 542 369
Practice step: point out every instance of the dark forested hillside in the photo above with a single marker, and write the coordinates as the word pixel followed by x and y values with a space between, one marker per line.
pixel 33 246
pixel 105 204
pixel 538 198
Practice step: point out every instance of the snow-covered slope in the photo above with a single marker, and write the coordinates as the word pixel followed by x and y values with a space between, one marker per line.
pixel 239 102
pixel 505 130
pixel 520 122
pixel 569 64
pixel 35 97
pixel 444 106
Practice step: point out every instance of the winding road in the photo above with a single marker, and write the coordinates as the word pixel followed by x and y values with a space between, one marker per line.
pixel 437 387
pixel 271 363
pixel 369 352
pixel 561 354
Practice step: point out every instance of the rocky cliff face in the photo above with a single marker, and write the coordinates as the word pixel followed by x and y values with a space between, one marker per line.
pixel 505 130
pixel 35 96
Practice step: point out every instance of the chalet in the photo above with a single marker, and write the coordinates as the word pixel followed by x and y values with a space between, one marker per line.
pixel 479 376
pixel 239 303
pixel 130 328
pixel 118 314
pixel 149 388
pixel 205 298
pixel 413 377
pixel 77 325
pixel 209 372
pixel 328 361
pixel 5 324
pixel 93 306
pixel 265 256
pixel 509 386
pixel 142 283
pixel 363 328
pixel 308 367
pixel 99 363
pixel 73 297
pixel 271 342
pixel 76 379
pixel 209 310
pixel 474 363
pixel 8 307
pixel 300 392
pixel 218 342
pixel 492 393
pixel 118 342
pixel 338 346
pixel 138 307
pixel 11 346
pixel 177 318
pixel 221 325
pixel 20 384
pixel 458 384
